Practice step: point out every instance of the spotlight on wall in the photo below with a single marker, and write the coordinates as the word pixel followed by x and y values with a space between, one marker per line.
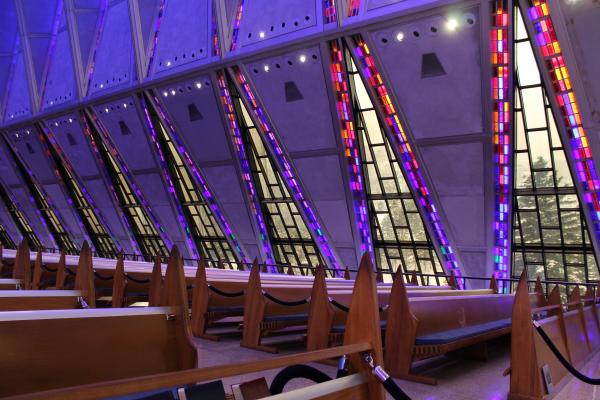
pixel 302 58
pixel 266 68
pixel 452 24
pixel 399 36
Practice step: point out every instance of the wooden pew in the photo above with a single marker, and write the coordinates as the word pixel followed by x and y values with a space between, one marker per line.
pixel 62 348
pixel 363 336
pixel 424 327
pixel 574 329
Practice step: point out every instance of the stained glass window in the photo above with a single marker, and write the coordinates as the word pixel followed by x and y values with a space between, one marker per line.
pixel 55 226
pixel 19 219
pixel 145 232
pixel 550 236
pixel 399 235
pixel 206 232
pixel 103 243
pixel 291 240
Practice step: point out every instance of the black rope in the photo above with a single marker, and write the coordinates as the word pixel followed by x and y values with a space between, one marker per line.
pixel 285 303
pixel 563 361
pixel 103 278
pixel 339 305
pixel 68 271
pixel 131 278
pixel 226 294
pixel 48 269
pixel 295 372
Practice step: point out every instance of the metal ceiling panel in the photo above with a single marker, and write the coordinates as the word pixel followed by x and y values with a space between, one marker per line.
pixel 208 143
pixel 133 143
pixel 18 103
pixel 114 61
pixel 303 119
pixel 8 224
pixel 60 83
pixel 184 37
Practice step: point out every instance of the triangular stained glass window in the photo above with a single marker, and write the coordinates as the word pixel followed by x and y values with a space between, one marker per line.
pixel 550 235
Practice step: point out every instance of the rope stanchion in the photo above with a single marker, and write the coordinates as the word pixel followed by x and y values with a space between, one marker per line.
pixel 388 383
pixel 226 294
pixel 286 303
pixel 48 269
pixel 103 278
pixel 68 271
pixel 568 366
pixel 339 305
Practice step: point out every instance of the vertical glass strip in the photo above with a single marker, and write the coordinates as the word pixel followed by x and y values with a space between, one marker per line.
pixel 103 242
pixel 138 215
pixel 216 47
pixel 550 235
pixel 238 142
pixel 236 25
pixel 547 41
pixel 45 208
pixel 264 128
pixel 409 162
pixel 353 7
pixel 199 206
pixel 5 239
pixel 154 40
pixel 499 48
pixel 329 11
pixel 351 151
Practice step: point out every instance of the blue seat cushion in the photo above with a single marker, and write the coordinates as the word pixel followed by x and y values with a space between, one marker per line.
pixel 287 317
pixel 453 335
pixel 236 310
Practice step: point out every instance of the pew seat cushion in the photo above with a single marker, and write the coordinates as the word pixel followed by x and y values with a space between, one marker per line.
pixel 286 317
pixel 454 335
pixel 229 310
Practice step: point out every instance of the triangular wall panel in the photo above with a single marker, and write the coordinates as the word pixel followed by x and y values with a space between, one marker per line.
pixel 87 23
pixel 60 82
pixel 68 133
pixel 306 129
pixel 8 33
pixel 114 61
pixel 142 163
pixel 187 19
pixel 148 10
pixel 207 142
pixel 18 103
pixel 444 114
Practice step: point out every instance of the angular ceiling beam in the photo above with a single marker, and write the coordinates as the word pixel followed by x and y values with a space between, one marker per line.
pixel 141 58
pixel 75 48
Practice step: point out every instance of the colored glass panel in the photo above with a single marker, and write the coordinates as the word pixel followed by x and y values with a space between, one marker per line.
pixel 20 220
pixel 138 217
pixel 198 213
pixel 550 235
pixel 408 161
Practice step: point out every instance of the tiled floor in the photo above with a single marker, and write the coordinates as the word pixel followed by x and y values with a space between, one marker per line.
pixel 468 380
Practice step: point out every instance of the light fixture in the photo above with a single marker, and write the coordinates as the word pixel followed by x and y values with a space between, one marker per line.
pixel 168 63
pixel 165 94
pixel 56 124
pixel 198 85
pixel 399 36
pixel 302 58
pixel 70 120
pixel 173 92
pixel 266 68
pixel 101 85
pixel 124 105
pixel 452 24
pixel 261 34
pixel 106 110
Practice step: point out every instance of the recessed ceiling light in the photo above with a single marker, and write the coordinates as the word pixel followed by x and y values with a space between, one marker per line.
pixel 173 92
pixel 198 85
pixel 266 68
pixel 168 63
pixel 101 85
pixel 124 105
pixel 165 94
pixel 399 36
pixel 302 58
pixel 106 110
pixel 70 120
pixel 261 34
pixel 452 24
